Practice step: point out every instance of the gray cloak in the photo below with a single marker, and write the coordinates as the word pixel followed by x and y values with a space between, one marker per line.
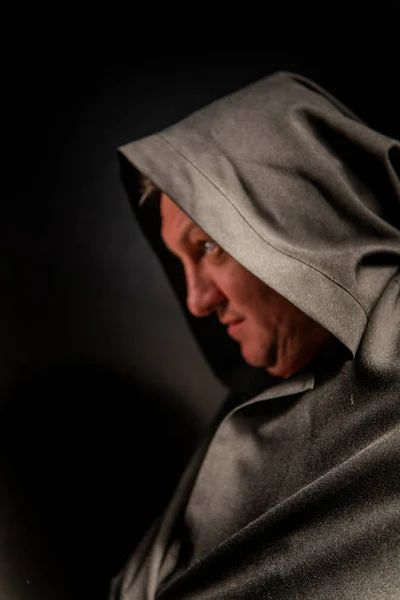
pixel 294 493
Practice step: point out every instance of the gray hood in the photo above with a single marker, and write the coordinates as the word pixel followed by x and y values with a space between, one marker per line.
pixel 295 187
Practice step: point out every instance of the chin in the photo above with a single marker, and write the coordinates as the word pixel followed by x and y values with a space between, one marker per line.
pixel 276 371
pixel 256 357
pixel 254 362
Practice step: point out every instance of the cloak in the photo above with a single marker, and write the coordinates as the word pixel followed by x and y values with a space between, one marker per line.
pixel 294 493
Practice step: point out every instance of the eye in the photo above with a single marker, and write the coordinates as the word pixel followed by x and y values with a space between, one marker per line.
pixel 209 247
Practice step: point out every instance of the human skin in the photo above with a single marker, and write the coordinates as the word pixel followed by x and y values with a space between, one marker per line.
pixel 271 331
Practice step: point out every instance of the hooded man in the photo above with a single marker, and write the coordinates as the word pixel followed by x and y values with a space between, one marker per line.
pixel 283 209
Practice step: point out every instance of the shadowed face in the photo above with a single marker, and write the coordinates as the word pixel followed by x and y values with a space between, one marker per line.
pixel 271 331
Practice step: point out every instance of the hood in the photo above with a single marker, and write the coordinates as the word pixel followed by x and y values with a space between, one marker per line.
pixel 295 187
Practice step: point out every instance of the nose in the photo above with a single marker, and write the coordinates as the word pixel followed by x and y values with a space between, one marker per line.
pixel 203 293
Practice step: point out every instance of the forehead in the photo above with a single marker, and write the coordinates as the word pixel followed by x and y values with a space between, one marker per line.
pixel 175 224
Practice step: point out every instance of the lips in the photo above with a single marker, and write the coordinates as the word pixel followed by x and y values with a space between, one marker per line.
pixel 234 326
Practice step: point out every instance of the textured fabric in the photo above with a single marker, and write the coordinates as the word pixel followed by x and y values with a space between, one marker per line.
pixel 295 493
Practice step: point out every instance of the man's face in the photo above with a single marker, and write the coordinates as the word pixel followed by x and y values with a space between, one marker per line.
pixel 271 331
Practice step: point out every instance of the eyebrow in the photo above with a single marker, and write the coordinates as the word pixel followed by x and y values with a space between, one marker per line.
pixel 187 230
pixel 184 235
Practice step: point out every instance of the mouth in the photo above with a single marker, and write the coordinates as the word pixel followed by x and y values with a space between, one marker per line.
pixel 234 326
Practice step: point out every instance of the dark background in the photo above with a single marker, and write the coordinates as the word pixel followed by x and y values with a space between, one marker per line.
pixel 103 392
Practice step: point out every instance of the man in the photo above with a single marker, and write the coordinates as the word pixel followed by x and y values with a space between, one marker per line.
pixel 272 332
pixel 283 208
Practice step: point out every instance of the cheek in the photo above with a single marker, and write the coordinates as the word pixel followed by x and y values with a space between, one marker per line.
pixel 259 310
pixel 258 338
pixel 246 296
pixel 249 297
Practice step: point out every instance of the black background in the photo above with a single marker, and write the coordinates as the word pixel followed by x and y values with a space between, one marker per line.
pixel 104 394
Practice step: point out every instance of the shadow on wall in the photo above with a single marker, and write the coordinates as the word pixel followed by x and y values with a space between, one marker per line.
pixel 88 459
